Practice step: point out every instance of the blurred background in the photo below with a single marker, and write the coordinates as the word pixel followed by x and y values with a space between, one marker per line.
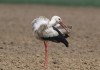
pixel 20 50
pixel 56 2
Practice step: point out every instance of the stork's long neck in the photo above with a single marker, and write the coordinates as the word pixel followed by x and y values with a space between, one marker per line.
pixel 51 23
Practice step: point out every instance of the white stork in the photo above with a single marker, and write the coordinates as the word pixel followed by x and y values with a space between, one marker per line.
pixel 47 30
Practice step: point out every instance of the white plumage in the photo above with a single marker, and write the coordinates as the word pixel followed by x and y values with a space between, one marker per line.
pixel 42 26
pixel 36 23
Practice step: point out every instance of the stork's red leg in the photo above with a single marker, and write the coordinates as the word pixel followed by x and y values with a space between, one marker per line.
pixel 46 53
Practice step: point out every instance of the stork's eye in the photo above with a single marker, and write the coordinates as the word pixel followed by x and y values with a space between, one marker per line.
pixel 59 19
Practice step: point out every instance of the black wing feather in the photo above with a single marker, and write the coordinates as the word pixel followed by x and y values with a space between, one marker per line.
pixel 59 38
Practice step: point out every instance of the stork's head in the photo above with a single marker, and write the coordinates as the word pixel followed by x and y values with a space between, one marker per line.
pixel 58 20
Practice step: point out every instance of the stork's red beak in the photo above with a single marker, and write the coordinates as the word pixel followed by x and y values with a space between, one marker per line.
pixel 64 26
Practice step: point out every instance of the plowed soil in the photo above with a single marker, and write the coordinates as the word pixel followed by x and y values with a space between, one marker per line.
pixel 20 50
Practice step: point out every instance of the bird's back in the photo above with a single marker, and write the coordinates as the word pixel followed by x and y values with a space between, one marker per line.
pixel 36 23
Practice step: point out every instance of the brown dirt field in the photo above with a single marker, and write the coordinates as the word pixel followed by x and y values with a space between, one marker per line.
pixel 19 50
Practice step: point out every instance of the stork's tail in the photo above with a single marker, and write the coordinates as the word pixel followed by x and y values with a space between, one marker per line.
pixel 65 42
